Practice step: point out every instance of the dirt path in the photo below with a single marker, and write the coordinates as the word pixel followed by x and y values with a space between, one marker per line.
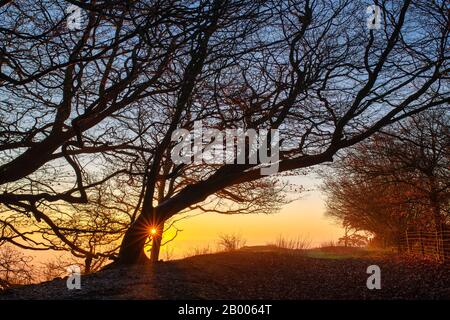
pixel 255 275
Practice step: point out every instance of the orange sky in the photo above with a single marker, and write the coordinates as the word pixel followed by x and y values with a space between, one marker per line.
pixel 301 218
pixel 304 217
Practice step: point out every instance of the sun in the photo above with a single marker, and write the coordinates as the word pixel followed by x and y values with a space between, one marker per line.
pixel 153 231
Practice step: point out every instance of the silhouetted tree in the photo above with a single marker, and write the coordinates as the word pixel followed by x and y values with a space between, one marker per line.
pixel 15 267
pixel 396 180
pixel 83 107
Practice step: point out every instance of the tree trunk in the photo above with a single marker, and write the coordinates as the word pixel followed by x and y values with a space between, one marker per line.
pixel 156 246
pixel 87 264
pixel 435 203
pixel 436 207
pixel 132 247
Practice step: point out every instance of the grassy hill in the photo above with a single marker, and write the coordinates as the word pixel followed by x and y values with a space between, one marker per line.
pixel 258 273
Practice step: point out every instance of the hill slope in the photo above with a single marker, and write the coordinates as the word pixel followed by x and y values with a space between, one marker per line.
pixel 258 274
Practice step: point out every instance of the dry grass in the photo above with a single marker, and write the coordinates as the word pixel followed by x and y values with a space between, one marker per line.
pixel 299 243
pixel 327 244
pixel 199 251
pixel 231 242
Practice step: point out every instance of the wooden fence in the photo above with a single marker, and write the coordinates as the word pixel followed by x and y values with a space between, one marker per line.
pixel 434 245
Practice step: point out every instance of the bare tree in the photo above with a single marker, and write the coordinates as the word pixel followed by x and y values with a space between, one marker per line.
pixel 322 90
pixel 15 267
pixel 231 242
pixel 395 181
pixel 102 103
pixel 90 232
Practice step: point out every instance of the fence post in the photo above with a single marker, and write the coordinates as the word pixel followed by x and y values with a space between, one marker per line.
pixel 445 245
pixel 407 241
pixel 438 247
pixel 421 244
pixel 441 245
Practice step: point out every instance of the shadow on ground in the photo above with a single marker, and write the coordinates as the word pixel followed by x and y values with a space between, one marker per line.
pixel 257 274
